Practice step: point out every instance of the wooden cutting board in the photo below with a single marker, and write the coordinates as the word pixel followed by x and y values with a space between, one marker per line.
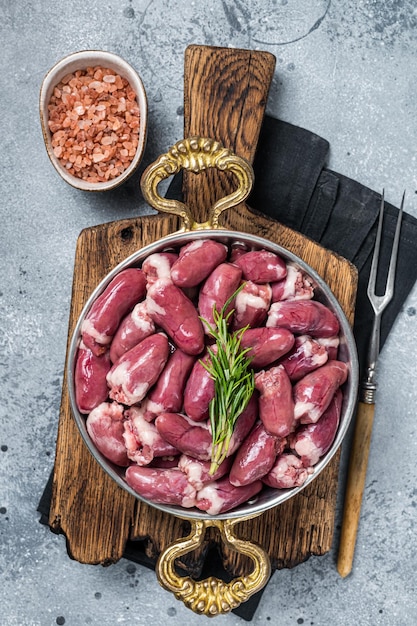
pixel 225 96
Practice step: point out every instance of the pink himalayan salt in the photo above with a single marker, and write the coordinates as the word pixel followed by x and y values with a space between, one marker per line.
pixel 94 120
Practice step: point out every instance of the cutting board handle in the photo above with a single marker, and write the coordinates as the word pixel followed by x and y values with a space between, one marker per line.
pixel 225 95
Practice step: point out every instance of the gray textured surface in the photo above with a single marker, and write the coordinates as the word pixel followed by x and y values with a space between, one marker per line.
pixel 345 70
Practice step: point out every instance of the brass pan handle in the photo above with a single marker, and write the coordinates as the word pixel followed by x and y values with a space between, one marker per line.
pixel 196 154
pixel 213 596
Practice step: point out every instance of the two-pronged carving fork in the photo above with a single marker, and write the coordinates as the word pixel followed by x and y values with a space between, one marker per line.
pixel 365 414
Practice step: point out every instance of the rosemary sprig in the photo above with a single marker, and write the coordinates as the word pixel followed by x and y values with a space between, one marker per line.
pixel 233 381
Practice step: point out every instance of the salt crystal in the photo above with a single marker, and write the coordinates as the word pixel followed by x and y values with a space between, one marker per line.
pixel 96 84
pixel 66 78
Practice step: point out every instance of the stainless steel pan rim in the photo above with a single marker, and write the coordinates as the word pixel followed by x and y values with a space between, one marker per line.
pixel 268 498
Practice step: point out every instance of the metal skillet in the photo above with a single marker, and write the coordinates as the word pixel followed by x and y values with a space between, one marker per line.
pixel 213 596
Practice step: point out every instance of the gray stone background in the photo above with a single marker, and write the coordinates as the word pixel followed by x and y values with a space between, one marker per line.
pixel 346 70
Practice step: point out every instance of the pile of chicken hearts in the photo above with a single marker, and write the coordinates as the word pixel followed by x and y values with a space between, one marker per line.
pixel 141 382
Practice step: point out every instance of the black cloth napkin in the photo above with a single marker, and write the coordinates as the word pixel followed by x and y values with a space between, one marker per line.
pixel 335 211
pixel 294 187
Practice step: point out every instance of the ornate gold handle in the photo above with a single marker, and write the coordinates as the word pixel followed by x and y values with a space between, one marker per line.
pixel 213 596
pixel 196 154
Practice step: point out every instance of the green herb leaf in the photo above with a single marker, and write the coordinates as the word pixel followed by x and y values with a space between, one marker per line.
pixel 234 381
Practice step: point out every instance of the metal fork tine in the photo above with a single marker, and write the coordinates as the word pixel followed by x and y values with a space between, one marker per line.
pixel 368 387
pixel 380 302
pixel 375 257
pixel 394 253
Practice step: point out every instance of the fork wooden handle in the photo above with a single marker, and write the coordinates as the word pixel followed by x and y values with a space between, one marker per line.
pixel 358 463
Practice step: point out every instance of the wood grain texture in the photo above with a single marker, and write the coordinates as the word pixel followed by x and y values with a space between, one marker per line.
pixel 225 96
pixel 79 483
pixel 355 485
